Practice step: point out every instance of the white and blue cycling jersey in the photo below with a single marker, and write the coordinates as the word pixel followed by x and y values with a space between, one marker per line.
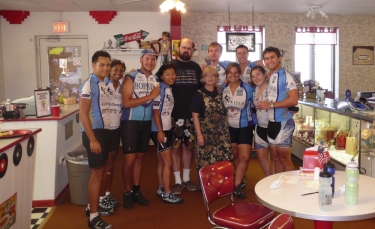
pixel 221 70
pixel 96 90
pixel 143 85
pixel 238 105
pixel 245 76
pixel 279 84
pixel 115 105
pixel 164 103
pixel 262 115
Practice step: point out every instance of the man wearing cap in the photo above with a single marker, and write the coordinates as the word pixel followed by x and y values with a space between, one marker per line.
pixel 188 74
pixel 138 91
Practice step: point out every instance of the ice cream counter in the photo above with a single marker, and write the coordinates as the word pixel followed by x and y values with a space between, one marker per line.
pixel 60 135
pixel 17 165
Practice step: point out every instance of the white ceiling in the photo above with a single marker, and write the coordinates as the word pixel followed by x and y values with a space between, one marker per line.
pixel 359 7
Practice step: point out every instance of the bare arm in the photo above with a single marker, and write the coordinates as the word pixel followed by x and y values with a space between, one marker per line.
pixel 197 127
pixel 84 109
pixel 157 119
pixel 127 92
pixel 290 101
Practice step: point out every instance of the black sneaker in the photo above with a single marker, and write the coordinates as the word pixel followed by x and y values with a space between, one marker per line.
pixel 105 202
pixel 98 223
pixel 112 201
pixel 172 198
pixel 160 191
pixel 243 184
pixel 127 200
pixel 87 212
pixel 104 211
pixel 239 193
pixel 139 198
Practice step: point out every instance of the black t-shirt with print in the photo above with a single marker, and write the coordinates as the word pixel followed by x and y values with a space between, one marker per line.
pixel 188 76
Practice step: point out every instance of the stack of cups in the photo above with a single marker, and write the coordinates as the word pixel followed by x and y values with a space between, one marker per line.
pixel 316 173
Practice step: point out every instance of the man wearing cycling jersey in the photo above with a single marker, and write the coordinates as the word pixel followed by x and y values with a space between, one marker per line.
pixel 214 53
pixel 242 55
pixel 282 94
pixel 94 112
pixel 138 91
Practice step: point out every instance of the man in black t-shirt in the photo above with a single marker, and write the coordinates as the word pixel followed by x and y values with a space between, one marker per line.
pixel 188 74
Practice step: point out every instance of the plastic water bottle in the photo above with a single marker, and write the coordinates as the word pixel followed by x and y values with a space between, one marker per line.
pixel 348 94
pixel 351 186
pixel 7 105
pixel 325 190
pixel 331 169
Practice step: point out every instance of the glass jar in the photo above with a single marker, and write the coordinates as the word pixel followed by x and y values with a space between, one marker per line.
pixel 341 140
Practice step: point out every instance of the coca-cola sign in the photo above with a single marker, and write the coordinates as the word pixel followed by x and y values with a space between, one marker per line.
pixel 132 36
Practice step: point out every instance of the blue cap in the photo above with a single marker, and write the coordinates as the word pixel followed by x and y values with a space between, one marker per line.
pixel 148 52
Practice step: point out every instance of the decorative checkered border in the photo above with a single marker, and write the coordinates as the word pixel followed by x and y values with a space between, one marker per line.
pixel 38 216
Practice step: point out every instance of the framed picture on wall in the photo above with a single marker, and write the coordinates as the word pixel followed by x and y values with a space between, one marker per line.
pixel 42 103
pixel 363 55
pixel 236 39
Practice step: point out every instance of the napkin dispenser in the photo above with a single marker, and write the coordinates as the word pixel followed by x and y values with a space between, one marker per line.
pixel 311 159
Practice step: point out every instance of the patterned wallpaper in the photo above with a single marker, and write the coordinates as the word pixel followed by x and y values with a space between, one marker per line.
pixel 353 31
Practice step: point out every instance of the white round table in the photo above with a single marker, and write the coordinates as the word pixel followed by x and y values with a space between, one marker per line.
pixel 288 199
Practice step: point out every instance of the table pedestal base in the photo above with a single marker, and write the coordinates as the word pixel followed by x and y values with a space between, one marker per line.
pixel 323 224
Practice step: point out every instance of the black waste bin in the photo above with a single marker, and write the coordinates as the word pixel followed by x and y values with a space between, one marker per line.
pixel 79 175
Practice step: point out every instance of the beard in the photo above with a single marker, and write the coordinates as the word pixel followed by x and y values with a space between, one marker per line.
pixel 184 56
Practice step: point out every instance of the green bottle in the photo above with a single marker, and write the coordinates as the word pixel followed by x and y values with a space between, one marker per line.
pixel 351 186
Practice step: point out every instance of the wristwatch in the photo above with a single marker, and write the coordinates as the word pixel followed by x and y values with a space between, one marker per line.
pixel 272 105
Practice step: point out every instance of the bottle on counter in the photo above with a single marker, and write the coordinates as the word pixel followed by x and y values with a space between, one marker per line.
pixel 351 185
pixel 325 190
pixel 7 105
pixel 330 167
pixel 348 94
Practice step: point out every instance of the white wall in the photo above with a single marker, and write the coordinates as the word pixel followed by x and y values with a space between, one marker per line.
pixel 19 51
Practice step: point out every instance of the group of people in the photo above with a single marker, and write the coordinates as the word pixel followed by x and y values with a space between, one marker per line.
pixel 210 111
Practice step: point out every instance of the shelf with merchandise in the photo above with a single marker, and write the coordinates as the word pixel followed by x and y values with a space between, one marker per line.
pixel 340 130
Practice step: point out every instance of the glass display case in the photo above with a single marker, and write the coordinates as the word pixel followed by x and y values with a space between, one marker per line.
pixel 347 135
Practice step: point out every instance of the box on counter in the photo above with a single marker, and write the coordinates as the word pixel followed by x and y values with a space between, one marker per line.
pixel 310 84
pixel 70 100
pixel 311 159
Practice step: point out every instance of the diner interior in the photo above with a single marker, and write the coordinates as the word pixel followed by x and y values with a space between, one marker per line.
pixel 339 58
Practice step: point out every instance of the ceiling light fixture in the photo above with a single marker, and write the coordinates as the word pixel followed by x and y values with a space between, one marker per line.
pixel 170 4
pixel 311 13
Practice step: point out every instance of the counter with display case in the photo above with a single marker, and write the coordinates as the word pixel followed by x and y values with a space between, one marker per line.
pixel 348 135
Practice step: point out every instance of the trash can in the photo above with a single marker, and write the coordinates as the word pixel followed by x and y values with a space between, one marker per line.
pixel 79 175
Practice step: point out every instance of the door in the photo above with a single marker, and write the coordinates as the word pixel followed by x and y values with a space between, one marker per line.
pixel 63 64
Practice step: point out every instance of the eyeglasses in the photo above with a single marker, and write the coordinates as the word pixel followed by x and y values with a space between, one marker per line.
pixel 118 70
pixel 207 76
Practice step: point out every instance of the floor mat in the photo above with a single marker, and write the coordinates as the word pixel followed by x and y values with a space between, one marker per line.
pixel 39 215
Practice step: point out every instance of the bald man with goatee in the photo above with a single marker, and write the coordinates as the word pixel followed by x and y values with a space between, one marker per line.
pixel 188 75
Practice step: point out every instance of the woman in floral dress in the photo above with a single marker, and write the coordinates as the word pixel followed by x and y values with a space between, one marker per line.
pixel 210 122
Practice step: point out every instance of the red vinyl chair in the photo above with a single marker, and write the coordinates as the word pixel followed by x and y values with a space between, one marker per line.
pixel 282 221
pixel 217 182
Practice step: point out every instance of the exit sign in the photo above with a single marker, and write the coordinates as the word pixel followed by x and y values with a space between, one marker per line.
pixel 61 27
